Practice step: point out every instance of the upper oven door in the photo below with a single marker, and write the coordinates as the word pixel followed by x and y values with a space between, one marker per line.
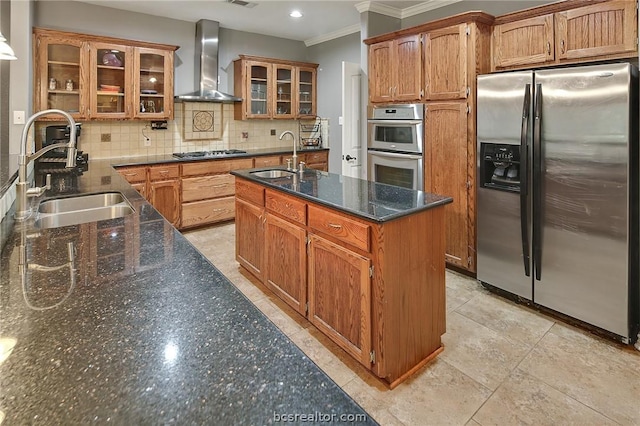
pixel 395 135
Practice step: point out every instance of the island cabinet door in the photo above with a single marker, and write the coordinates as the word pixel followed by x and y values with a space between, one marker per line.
pixel 250 237
pixel 165 197
pixel 340 296
pixel 286 262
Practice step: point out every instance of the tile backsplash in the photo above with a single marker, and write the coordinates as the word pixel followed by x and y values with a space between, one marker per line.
pixel 121 139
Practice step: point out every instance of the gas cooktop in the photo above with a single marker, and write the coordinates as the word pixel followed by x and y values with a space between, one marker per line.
pixel 204 154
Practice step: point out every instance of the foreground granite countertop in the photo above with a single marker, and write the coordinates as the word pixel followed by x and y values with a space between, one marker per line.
pixel 140 329
pixel 370 200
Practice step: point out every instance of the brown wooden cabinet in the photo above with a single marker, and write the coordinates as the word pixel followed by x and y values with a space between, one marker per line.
pixel 449 170
pixel 208 191
pixel 376 289
pixel 445 63
pixel 250 219
pixel 94 77
pixel 395 70
pixel 164 191
pixel 315 160
pixel 566 32
pixel 286 261
pixel 267 160
pixel 597 30
pixel 524 42
pixel 274 88
pixel 340 296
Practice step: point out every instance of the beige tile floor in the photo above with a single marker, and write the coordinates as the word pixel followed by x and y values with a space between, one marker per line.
pixel 503 364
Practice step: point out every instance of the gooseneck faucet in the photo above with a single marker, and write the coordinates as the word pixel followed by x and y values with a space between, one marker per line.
pixel 295 155
pixel 22 187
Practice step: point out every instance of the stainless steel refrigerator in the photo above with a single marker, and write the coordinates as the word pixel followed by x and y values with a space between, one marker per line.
pixel 557 191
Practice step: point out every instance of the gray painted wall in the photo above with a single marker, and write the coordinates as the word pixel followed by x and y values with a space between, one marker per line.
pixel 330 56
pixel 492 7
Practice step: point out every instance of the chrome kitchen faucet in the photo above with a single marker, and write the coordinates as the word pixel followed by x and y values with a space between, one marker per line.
pixel 22 187
pixel 294 158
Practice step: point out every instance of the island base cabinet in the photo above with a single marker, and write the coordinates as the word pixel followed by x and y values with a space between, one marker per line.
pixel 286 262
pixel 250 237
pixel 340 296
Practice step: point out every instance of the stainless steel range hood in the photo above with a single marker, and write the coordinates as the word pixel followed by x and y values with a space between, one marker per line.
pixel 206 66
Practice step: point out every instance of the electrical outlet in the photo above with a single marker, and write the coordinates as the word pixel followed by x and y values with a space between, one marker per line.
pixel 245 135
pixel 273 132
pixel 147 141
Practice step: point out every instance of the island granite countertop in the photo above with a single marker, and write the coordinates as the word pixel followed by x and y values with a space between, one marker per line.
pixel 139 328
pixel 366 199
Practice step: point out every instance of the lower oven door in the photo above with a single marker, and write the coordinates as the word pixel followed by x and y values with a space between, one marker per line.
pixel 397 169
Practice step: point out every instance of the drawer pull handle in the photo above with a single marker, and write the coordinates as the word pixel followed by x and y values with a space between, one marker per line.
pixel 334 225
pixel 164 172
pixel 131 174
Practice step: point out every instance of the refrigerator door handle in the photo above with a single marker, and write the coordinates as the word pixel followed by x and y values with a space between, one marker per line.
pixel 524 173
pixel 537 183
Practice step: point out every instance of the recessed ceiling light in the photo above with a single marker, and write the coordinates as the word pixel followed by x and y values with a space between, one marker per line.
pixel 296 14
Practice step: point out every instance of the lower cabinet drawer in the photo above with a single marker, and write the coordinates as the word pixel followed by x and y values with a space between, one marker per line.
pixel 208 211
pixel 289 207
pixel 203 187
pixel 249 191
pixel 133 174
pixel 343 228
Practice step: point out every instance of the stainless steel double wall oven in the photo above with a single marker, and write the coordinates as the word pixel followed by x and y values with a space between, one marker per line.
pixel 395 140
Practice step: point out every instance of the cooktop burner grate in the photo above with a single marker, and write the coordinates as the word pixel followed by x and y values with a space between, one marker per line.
pixel 201 154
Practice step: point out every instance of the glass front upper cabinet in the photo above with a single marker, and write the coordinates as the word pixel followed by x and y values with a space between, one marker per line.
pixel 284 90
pixel 60 87
pixel 306 91
pixel 111 92
pixel 153 85
pixel 259 75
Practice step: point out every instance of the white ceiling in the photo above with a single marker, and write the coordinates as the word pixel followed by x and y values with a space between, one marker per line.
pixel 321 19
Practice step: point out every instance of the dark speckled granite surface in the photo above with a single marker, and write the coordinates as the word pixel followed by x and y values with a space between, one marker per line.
pixel 369 200
pixel 147 332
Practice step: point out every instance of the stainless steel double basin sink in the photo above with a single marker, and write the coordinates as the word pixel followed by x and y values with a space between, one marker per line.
pixel 67 211
pixel 272 174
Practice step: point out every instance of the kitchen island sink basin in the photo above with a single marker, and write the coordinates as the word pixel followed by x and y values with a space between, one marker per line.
pixel 273 174
pixel 68 211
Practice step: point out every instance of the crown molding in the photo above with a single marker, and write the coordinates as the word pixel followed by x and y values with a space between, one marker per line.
pixel 368 6
pixel 355 28
pixel 383 9
pixel 425 7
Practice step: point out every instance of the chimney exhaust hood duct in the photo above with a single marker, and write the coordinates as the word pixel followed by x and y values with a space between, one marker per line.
pixel 206 66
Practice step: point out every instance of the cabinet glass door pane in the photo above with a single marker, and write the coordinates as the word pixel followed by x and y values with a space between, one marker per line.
pixel 152 83
pixel 63 77
pixel 110 78
pixel 305 90
pixel 258 89
pixel 283 91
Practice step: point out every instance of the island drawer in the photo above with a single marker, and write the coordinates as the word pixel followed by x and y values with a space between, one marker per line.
pixel 202 187
pixel 341 227
pixel 207 211
pixel 134 174
pixel 215 166
pixel 164 172
pixel 250 192
pixel 286 206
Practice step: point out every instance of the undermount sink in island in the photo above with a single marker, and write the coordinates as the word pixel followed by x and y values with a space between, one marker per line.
pixel 364 262
pixel 123 321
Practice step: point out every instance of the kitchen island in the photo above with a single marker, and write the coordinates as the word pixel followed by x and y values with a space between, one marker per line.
pixel 362 261
pixel 122 321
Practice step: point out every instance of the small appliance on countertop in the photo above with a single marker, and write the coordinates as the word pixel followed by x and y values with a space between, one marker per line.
pixel 63 180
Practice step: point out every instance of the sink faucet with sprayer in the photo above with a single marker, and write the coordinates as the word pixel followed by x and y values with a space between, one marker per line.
pixel 23 191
